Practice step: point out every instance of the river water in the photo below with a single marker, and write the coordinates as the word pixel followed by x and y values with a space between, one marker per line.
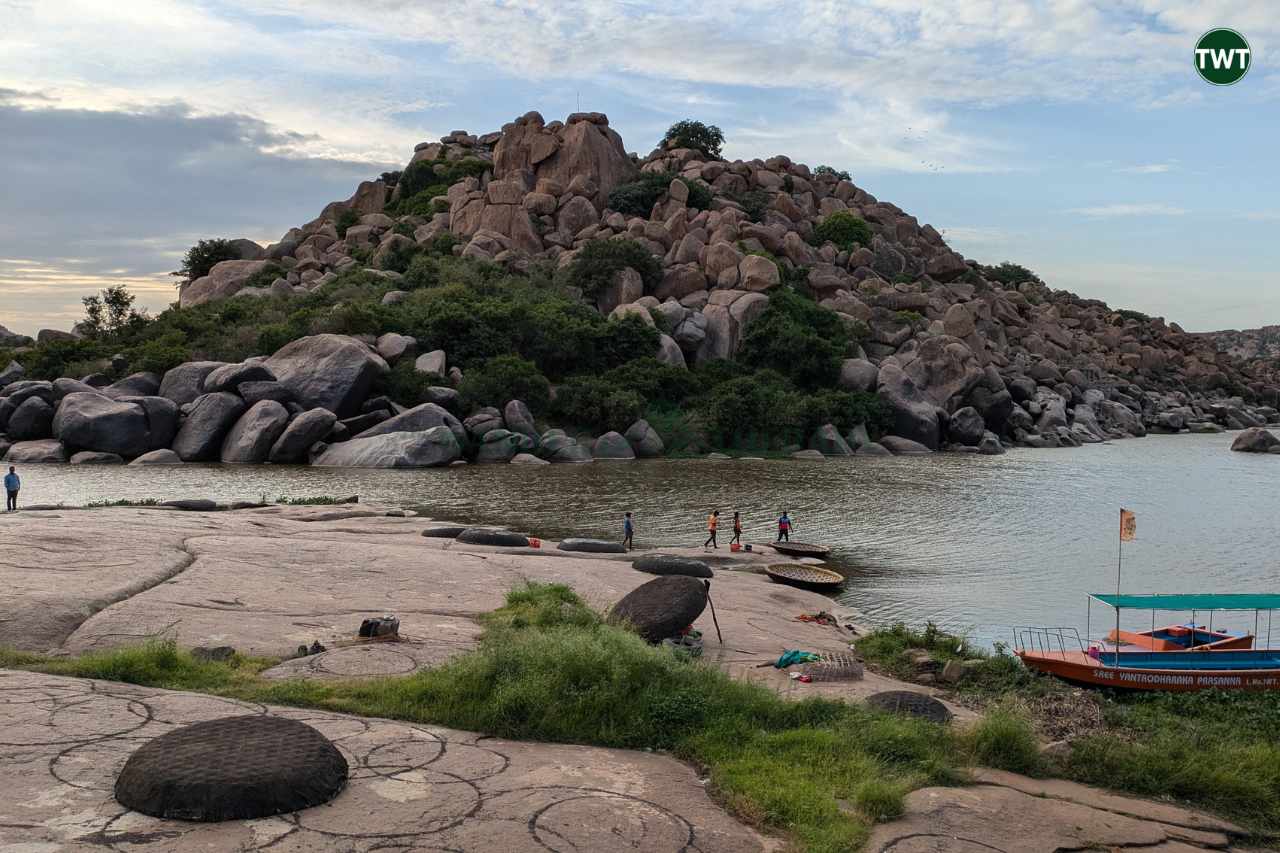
pixel 974 544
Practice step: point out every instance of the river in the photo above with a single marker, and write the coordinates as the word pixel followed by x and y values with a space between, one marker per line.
pixel 975 544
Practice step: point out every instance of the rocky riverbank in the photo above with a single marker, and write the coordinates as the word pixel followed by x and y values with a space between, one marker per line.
pixel 961 356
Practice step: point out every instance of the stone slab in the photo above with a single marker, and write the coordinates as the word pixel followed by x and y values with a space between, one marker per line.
pixel 410 787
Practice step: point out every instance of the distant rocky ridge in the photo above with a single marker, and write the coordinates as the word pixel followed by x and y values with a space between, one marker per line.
pixel 964 359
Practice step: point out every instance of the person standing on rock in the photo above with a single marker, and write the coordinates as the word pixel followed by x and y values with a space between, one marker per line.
pixel 737 529
pixel 628 531
pixel 784 527
pixel 713 522
pixel 11 486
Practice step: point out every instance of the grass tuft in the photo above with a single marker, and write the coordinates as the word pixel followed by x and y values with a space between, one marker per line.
pixel 1005 740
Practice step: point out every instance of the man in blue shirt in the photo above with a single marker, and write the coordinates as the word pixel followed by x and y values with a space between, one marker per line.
pixel 11 485
pixel 628 531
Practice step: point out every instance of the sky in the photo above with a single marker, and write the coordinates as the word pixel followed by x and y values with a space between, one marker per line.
pixel 1072 137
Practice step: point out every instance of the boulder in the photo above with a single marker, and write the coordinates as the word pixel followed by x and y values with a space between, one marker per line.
pixel 200 437
pixel 671 564
pixel 661 608
pixel 757 273
pixel 871 448
pixel 224 280
pixel 899 446
pixel 501 445
pixel 809 455
pixel 87 420
pixel 266 389
pixel 482 422
pixel 915 417
pixel 182 384
pixel 943 368
pixel 134 385
pixel 495 538
pixel 229 377
pixel 990 444
pixel 426 449
pixel 417 419
pixel 612 445
pixel 331 372
pixel 64 386
pixel 967 426
pixel 583 148
pixel 301 433
pixel 828 441
pixel 11 373
pixel 1255 440
pixel 518 418
pixel 33 419
pixel 625 287
pixel 43 450
pixel 592 546
pixel 644 440
pixel 393 347
pixel 164 456
pixel 92 457
pixel 858 374
pixel 527 459
pixel 433 362
pixel 669 352
pixel 250 440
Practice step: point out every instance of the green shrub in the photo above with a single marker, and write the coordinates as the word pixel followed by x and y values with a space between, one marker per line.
pixel 1009 274
pixel 706 138
pixel 505 378
pixel 596 404
pixel 596 263
pixel 441 172
pixel 844 229
pixel 419 204
pixel 911 318
pixel 346 218
pixel 160 354
pixel 638 197
pixel 204 255
pixel 824 171
pixel 659 384
pixel 880 799
pixel 1130 314
pixel 408 386
pixel 798 338
pixel 1004 739
pixel 754 203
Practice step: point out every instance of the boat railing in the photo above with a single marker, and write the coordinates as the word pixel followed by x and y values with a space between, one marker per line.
pixel 1047 641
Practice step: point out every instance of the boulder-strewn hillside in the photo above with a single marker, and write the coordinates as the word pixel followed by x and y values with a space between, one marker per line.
pixel 726 262
pixel 1260 348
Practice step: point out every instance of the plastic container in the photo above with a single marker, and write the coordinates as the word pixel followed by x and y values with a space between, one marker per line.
pixel 534 542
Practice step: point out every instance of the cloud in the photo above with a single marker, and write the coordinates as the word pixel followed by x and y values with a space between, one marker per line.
pixel 1149 168
pixel 96 198
pixel 1108 210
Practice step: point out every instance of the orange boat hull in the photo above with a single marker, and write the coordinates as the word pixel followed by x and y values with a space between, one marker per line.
pixel 1079 668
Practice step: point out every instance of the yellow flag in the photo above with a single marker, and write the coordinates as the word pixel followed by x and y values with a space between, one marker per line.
pixel 1128 525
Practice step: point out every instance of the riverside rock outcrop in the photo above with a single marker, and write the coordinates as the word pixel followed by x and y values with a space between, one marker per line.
pixel 964 356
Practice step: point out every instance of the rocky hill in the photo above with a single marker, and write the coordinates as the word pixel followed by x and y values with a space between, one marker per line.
pixel 961 356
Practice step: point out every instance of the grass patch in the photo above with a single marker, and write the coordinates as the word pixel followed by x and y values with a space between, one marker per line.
pixel 318 500
pixel 122 502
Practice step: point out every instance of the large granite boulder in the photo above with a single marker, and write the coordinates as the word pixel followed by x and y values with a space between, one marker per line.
pixel 943 368
pixel 44 450
pixel 182 384
pixel 331 372
pixel 224 280
pixel 200 437
pixel 141 384
pixel 418 419
pixel 250 441
pixel 828 441
pixel 899 446
pixel 644 440
pixel 483 422
pixel 427 449
pixel 967 426
pixel 612 445
pixel 501 445
pixel 93 457
pixel 87 420
pixel 858 374
pixel 301 433
pixel 584 148
pixel 230 377
pixel 158 457
pixel 661 608
pixel 33 419
pixel 915 417
pixel 1256 440
pixel 518 418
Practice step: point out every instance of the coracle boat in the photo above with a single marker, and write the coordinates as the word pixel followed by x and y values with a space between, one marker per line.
pixel 1182 657
pixel 807 577
pixel 800 549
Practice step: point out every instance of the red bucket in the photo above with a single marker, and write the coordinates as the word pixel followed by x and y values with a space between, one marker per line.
pixel 735 547
pixel 534 542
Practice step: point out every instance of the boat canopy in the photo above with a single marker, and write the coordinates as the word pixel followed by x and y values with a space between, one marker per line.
pixel 1192 601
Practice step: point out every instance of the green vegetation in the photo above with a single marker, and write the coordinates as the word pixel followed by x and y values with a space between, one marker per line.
pixel 825 171
pixel 596 404
pixel 1215 750
pixel 122 502
pixel 844 229
pixel 423 180
pixel 1130 314
pixel 345 220
pixel 1009 274
pixel 504 378
pixel 596 263
pixel 799 338
pixel 638 197
pixel 110 313
pixel 706 138
pixel 318 500
pixel 754 203
pixel 204 255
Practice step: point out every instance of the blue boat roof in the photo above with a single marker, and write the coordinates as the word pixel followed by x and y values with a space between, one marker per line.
pixel 1193 601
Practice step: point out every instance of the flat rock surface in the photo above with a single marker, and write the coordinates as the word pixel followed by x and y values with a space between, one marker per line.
pixel 268 580
pixel 1013 814
pixel 410 787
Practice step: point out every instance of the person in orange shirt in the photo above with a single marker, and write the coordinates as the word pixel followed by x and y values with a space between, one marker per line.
pixel 737 529
pixel 713 522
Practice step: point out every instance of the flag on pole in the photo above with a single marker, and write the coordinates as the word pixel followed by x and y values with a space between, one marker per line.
pixel 1128 525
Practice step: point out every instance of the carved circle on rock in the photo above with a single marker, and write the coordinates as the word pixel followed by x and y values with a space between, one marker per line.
pixel 232 768
pixel 662 607
pixel 912 704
